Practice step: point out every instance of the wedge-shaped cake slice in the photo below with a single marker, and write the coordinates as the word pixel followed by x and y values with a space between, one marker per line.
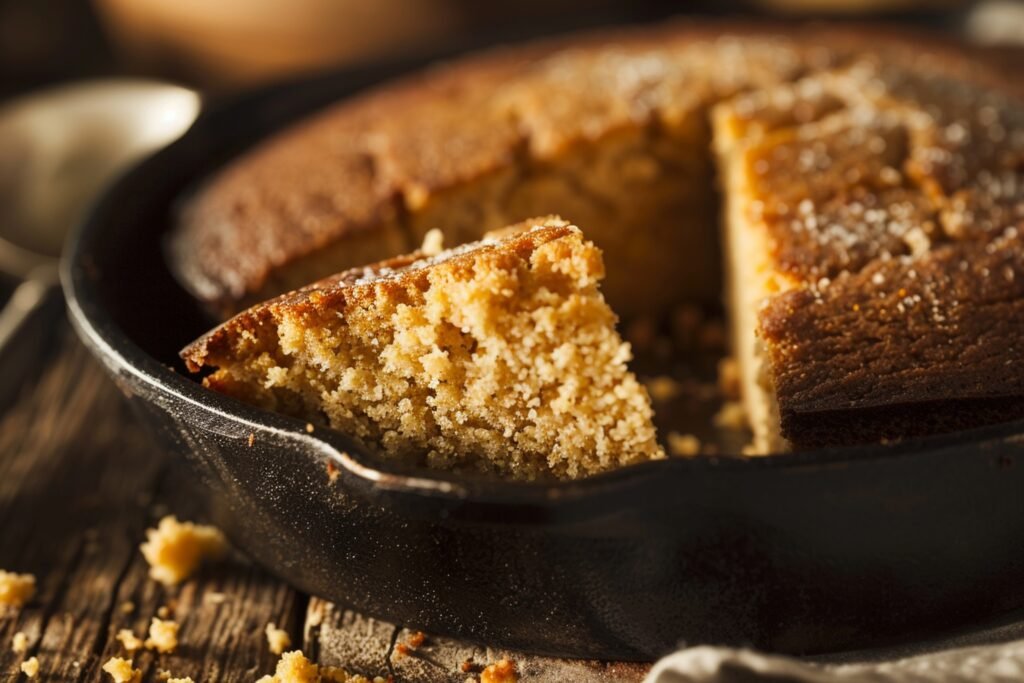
pixel 499 355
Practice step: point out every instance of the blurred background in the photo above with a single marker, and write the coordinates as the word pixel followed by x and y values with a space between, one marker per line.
pixel 223 45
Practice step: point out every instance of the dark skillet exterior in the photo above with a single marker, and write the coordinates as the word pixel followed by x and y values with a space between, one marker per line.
pixel 804 553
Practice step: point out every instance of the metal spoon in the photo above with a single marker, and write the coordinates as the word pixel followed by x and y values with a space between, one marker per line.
pixel 58 149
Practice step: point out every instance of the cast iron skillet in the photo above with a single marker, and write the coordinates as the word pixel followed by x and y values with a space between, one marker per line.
pixel 803 553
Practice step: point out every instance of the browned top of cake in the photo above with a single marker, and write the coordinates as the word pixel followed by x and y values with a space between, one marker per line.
pixel 363 286
pixel 366 161
pixel 894 206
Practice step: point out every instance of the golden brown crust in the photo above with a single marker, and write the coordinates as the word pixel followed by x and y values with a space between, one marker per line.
pixel 363 285
pixel 892 210
pixel 358 165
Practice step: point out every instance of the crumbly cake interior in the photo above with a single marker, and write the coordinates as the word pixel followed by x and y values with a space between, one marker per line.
pixel 500 356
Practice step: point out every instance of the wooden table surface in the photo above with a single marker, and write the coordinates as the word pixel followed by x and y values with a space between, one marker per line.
pixel 80 481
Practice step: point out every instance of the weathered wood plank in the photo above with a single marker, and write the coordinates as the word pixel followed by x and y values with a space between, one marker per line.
pixel 79 483
pixel 341 637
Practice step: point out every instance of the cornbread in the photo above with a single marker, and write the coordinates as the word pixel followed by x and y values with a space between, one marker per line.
pixel 121 670
pixel 293 667
pixel 609 131
pixel 175 549
pixel 499 356
pixel 129 641
pixel 870 191
pixel 16 589
pixel 30 667
pixel 163 636
pixel 277 638
pixel 877 273
pixel 502 671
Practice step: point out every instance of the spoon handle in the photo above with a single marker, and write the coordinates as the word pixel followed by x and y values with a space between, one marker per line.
pixel 26 330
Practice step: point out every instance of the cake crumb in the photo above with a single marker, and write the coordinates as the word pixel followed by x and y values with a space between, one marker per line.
pixel 251 440
pixel 163 611
pixel 310 428
pixel 731 416
pixel 127 607
pixel 30 667
pixel 180 680
pixel 683 444
pixel 16 589
pixel 433 242
pixel 129 641
pixel 163 636
pixel 729 378
pixel 163 675
pixel 19 643
pixel 502 671
pixel 293 667
pixel 175 549
pixel 663 388
pixel 416 639
pixel 332 472
pixel 121 670
pixel 277 638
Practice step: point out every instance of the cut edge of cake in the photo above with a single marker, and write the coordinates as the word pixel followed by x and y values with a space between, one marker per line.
pixel 750 278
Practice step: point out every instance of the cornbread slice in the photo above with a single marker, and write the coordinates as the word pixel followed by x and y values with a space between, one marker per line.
pixel 500 355
pixel 873 225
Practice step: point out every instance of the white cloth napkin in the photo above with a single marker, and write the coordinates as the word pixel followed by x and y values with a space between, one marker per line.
pixel 992 654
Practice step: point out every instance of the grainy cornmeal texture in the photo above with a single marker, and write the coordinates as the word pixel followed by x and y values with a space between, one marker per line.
pixel 500 355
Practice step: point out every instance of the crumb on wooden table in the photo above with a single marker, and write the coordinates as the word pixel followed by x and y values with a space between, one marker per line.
pixel 19 643
pixel 121 670
pixel 277 638
pixel 129 641
pixel 30 667
pixel 293 667
pixel 502 671
pixel 16 589
pixel 175 549
pixel 683 444
pixel 127 607
pixel 163 635
pixel 186 679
